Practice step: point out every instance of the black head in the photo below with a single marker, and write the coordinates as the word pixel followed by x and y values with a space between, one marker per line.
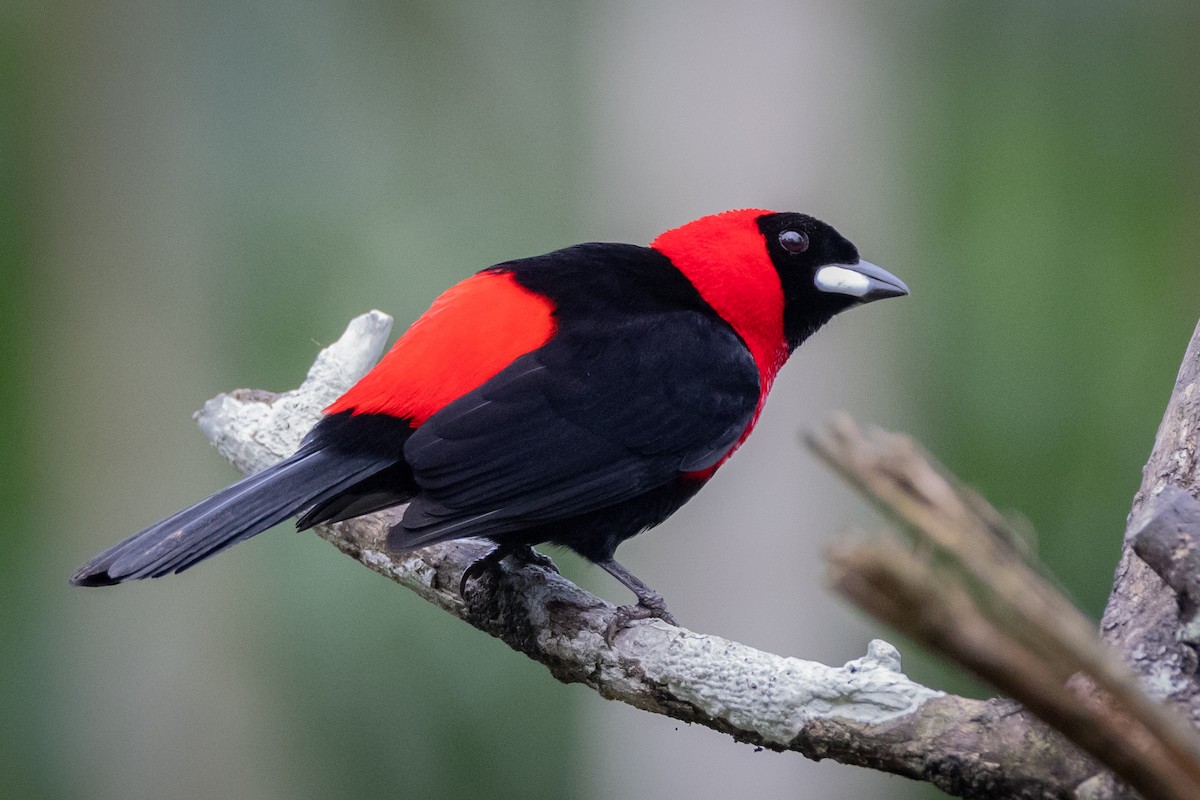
pixel 821 273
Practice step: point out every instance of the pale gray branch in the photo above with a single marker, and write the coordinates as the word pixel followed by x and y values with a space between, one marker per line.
pixel 865 713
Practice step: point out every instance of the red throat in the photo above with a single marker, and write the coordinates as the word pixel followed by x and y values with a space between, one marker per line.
pixel 725 257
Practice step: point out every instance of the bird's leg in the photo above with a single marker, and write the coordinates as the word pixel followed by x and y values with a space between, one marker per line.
pixel 650 603
pixel 521 552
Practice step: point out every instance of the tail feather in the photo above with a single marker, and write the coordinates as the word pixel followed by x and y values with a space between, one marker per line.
pixel 386 488
pixel 233 514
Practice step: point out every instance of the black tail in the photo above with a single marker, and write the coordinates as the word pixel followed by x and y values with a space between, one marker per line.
pixel 231 515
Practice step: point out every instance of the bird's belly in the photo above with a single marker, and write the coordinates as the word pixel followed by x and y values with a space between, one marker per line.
pixel 596 534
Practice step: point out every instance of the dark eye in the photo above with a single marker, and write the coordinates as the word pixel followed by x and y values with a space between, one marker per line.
pixel 794 242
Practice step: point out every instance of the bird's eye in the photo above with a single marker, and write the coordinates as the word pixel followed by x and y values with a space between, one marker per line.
pixel 794 242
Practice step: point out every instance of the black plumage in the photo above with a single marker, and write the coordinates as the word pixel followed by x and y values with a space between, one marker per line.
pixel 652 369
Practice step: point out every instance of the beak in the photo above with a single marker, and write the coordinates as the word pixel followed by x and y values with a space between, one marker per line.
pixel 863 281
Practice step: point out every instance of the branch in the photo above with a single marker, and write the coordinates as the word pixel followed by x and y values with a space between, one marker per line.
pixel 969 594
pixel 1143 619
pixel 865 713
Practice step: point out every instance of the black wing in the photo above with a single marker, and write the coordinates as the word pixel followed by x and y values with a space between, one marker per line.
pixel 605 411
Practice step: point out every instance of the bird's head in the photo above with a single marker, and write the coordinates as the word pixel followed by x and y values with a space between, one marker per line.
pixel 775 277
pixel 820 273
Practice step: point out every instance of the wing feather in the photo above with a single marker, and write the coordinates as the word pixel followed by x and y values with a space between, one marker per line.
pixel 592 418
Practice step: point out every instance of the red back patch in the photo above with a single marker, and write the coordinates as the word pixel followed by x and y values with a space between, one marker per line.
pixel 472 331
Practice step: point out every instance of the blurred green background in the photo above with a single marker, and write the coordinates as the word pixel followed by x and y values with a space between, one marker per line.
pixel 195 196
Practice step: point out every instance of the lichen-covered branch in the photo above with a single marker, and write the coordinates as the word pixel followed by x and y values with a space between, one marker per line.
pixel 865 712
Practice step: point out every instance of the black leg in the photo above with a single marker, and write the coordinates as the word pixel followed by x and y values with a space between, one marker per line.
pixel 650 603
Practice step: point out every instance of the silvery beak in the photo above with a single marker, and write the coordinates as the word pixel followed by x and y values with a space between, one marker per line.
pixel 863 281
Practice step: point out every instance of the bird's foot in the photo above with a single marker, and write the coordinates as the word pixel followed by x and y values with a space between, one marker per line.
pixel 479 568
pixel 491 562
pixel 650 607
pixel 650 603
pixel 527 555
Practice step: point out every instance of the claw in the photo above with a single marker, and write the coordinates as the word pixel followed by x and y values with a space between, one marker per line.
pixel 625 615
pixel 528 555
pixel 650 603
pixel 523 553
pixel 477 569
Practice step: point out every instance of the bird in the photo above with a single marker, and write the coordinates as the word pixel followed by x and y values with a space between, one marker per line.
pixel 575 398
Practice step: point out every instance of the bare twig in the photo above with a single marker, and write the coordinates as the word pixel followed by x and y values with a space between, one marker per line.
pixel 977 601
pixel 999 617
